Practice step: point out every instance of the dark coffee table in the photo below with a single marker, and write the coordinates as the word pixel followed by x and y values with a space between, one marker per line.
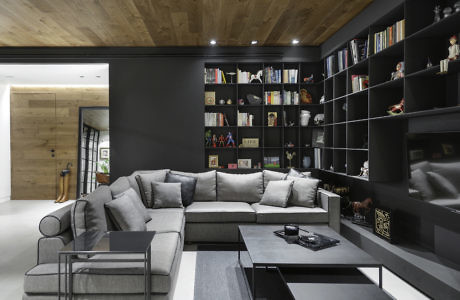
pixel 266 250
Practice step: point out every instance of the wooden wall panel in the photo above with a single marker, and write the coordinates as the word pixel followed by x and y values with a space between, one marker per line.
pixel 30 122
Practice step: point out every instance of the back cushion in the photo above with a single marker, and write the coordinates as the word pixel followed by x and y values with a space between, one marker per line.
pixel 205 189
pixel 272 175
pixel 449 170
pixel 119 186
pixel 240 187
pixel 133 182
pixel 145 184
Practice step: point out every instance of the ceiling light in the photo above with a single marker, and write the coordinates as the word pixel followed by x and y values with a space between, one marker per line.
pixel 295 41
pixel 82 76
pixel 98 76
pixel 254 42
pixel 212 42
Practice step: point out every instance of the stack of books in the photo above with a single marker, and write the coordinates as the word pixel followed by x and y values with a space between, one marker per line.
pixel 342 57
pixel 359 82
pixel 214 75
pixel 215 119
pixel 290 98
pixel 271 162
pixel 389 36
pixel 271 75
pixel 290 75
pixel 245 119
pixel 330 65
pixel 359 50
pixel 273 98
pixel 243 76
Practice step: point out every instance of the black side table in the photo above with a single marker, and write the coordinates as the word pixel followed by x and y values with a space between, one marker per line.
pixel 97 242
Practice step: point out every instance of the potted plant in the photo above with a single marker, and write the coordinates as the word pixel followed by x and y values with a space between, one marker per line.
pixel 104 177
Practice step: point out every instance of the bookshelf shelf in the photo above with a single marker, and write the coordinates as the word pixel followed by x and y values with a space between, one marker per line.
pixel 389 84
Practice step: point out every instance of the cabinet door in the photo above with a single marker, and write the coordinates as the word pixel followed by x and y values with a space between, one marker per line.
pixel 33 145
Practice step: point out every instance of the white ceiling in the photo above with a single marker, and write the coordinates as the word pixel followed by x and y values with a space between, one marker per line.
pixel 55 74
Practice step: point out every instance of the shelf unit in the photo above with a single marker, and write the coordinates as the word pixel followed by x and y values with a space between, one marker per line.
pixel 357 125
pixel 272 139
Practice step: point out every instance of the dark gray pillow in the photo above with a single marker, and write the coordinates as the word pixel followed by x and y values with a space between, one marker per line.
pixel 131 193
pixel 442 185
pixel 303 191
pixel 294 173
pixel 125 215
pixel 272 175
pixel 145 188
pixel 187 186
pixel 166 195
pixel 277 193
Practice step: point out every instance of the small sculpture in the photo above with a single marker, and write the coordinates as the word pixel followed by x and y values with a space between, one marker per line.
pixel 229 101
pixel 240 101
pixel 309 79
pixel 208 138
pixel 221 140
pixel 429 64
pixel 222 102
pixel 256 77
pixel 304 118
pixel 322 100
pixel 397 108
pixel 454 51
pixel 447 11
pixel 399 73
pixel 214 140
pixel 305 97
pixel 289 145
pixel 457 6
pixel 229 139
pixel 364 169
pixel 437 13
pixel 290 156
pixel 318 119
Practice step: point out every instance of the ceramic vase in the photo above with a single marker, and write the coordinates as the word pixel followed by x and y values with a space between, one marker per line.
pixel 306 162
pixel 304 118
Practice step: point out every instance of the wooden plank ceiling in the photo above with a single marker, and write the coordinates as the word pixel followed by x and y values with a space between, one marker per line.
pixel 92 23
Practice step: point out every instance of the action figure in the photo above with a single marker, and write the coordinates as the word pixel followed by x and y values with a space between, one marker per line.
pixel 221 140
pixel 214 141
pixel 208 138
pixel 454 52
pixel 229 139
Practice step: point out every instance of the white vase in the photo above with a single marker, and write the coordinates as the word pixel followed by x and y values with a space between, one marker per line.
pixel 304 118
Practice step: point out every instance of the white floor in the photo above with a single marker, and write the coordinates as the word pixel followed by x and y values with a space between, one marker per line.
pixel 18 248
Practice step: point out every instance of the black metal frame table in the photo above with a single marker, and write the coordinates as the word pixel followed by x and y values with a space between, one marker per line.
pixel 266 250
pixel 92 243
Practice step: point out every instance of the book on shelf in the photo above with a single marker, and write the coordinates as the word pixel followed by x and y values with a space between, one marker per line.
pixel 359 82
pixel 390 36
pixel 330 65
pixel 273 98
pixel 272 162
pixel 342 58
pixel 245 119
pixel 272 75
pixel 214 75
pixel 290 75
pixel 290 98
pixel 212 119
pixel 359 50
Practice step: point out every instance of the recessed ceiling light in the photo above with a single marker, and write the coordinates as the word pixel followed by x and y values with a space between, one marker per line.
pixel 254 42
pixel 82 76
pixel 295 41
pixel 98 76
pixel 212 42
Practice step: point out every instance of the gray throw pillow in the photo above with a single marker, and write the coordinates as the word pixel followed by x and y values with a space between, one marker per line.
pixel 442 185
pixel 272 175
pixel 294 173
pixel 240 187
pixel 125 215
pixel 166 195
pixel 205 189
pixel 303 191
pixel 277 193
pixel 419 181
pixel 131 193
pixel 187 187
pixel 145 188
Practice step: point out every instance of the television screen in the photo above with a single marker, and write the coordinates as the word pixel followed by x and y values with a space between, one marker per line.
pixel 434 168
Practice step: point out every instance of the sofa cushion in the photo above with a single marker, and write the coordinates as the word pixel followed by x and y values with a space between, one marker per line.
pixel 166 195
pixel 240 187
pixel 118 278
pixel 120 185
pixel 442 186
pixel 187 187
pixel 419 181
pixel 166 220
pixel 272 175
pixel 450 170
pixel 145 184
pixel 303 191
pixel 56 222
pixel 133 182
pixel 293 214
pixel 220 212
pixel 125 214
pixel 205 189
pixel 294 173
pixel 137 201
pixel 277 193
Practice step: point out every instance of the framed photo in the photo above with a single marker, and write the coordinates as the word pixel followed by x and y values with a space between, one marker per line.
pixel 317 140
pixel 249 143
pixel 213 161
pixel 244 163
pixel 209 98
pixel 272 118
pixel 104 153
pixel 232 166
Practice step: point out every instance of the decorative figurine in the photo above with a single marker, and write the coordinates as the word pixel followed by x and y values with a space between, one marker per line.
pixel 272 119
pixel 318 119
pixel 240 101
pixel 360 211
pixel 306 162
pixel 322 100
pixel 309 79
pixel 208 138
pixel 256 77
pixel 457 6
pixel 222 102
pixel 229 139
pixel 231 76
pixel 345 106
pixel 221 140
pixel 214 140
pixel 289 145
pixel 447 11
pixel 429 64
pixel 454 51
pixel 364 169
pixel 399 73
pixel 305 97
pixel 397 108
pixel 304 118
pixel 437 13
pixel 290 156
pixel 229 101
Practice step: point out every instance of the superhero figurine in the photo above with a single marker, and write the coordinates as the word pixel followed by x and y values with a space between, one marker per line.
pixel 208 138
pixel 221 140
pixel 214 141
pixel 230 141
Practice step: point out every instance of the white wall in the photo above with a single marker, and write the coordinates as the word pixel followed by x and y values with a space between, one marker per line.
pixel 5 155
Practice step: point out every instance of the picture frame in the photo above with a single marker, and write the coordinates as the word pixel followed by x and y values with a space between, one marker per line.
pixel 104 153
pixel 272 118
pixel 250 143
pixel 213 161
pixel 244 163
pixel 317 140
pixel 210 98
pixel 383 223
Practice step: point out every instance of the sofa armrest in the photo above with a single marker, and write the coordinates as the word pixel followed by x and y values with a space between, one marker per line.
pixel 56 222
pixel 330 202
pixel 48 247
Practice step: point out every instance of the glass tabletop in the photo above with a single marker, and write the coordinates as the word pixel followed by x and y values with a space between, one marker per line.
pixel 110 242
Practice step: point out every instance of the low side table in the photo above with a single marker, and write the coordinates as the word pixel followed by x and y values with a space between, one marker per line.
pixel 91 243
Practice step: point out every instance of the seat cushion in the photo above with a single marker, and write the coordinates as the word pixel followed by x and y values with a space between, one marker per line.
pixel 205 189
pixel 218 211
pixel 166 220
pixel 112 277
pixel 293 214
pixel 240 187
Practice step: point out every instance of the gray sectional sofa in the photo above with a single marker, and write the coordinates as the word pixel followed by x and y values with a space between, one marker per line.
pixel 221 202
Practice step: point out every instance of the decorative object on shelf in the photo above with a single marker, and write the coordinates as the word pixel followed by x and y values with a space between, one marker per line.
pixel 396 109
pixel 360 211
pixel 344 106
pixel 231 76
pixel 208 138
pixel 222 102
pixel 429 64
pixel 454 51
pixel 233 166
pixel 359 83
pixel 437 13
pixel 457 6
pixel 249 143
pixel 447 11
pixel 322 99
pixel 272 118
pixel 305 97
pixel 213 161
pixel 304 118
pixel 307 145
pixel 259 165
pixel 290 156
pixel 289 145
pixel 214 140
pixel 331 168
pixel 240 101
pixel 253 99
pixel 229 101
pixel 399 73
pixel 383 224
pixel 271 162
pixel 221 141
pixel 230 142
pixel 209 98
pixel 244 163
pixel 309 79
pixel 306 162
pixel 317 140
pixel 318 119
pixel 364 172
pixel 256 77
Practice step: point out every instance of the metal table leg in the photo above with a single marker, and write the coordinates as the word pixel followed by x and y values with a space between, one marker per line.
pixel 65 277
pixel 380 277
pixel 149 272
pixel 253 282
pixel 59 276
pixel 70 278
